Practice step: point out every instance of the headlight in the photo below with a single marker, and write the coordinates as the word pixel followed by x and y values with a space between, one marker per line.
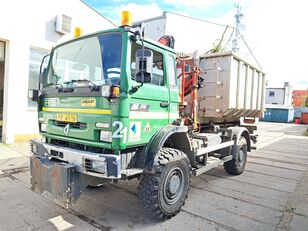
pixel 99 166
pixel 44 140
pixel 34 148
pixel 106 90
pixel 43 127
pixel 105 136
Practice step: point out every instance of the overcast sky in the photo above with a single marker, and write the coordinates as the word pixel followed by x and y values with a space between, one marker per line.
pixel 276 31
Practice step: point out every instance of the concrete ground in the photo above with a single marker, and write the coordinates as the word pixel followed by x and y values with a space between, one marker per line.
pixel 272 194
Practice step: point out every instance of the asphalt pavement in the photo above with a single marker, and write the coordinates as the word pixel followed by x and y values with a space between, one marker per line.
pixel 272 194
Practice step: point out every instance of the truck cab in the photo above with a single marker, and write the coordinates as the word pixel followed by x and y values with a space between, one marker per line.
pixel 90 95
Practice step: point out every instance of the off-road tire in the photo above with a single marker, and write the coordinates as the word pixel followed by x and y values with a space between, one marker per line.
pixel 164 193
pixel 236 166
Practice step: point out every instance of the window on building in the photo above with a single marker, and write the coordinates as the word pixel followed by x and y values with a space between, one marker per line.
pixel 157 73
pixel 36 57
pixel 271 94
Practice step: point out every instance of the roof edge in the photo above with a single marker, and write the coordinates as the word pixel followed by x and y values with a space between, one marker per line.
pixel 98 13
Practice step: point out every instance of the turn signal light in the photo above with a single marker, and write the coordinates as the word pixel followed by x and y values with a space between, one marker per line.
pixel 126 18
pixel 110 91
pixel 115 91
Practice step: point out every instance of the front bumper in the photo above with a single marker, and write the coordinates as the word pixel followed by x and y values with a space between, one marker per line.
pixel 81 161
pixel 65 173
pixel 60 180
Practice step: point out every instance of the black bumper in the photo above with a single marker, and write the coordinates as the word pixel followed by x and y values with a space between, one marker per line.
pixel 58 179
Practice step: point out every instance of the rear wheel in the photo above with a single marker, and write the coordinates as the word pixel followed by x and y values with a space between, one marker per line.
pixel 163 193
pixel 236 166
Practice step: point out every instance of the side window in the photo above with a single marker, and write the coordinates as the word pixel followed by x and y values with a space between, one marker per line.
pixel 36 56
pixel 158 70
pixel 171 71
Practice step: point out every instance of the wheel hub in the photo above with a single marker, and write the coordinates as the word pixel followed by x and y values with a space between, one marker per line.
pixel 174 184
pixel 241 157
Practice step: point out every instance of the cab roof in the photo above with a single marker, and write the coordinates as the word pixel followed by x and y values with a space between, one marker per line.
pixel 121 30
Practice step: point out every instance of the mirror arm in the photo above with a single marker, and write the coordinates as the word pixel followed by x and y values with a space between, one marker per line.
pixel 41 67
pixel 142 72
pixel 138 36
pixel 135 88
pixel 43 62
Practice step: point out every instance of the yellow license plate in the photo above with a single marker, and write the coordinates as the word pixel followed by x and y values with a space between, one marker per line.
pixel 67 118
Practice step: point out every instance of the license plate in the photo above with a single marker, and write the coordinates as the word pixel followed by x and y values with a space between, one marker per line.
pixel 67 118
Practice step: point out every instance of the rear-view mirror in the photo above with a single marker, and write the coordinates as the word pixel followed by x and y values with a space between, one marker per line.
pixel 144 65
pixel 33 94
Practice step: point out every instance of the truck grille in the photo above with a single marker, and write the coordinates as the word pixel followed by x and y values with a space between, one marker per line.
pixel 82 147
pixel 77 125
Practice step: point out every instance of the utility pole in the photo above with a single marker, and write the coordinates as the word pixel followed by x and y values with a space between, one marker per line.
pixel 238 17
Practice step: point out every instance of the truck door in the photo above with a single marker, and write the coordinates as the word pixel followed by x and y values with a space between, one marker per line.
pixel 150 104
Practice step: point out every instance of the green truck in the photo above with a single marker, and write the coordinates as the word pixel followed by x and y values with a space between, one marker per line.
pixel 110 109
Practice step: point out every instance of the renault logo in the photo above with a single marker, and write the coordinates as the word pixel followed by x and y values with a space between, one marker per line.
pixel 66 129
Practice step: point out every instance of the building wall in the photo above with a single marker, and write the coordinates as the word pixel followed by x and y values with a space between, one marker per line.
pixel 25 24
pixel 274 96
pixel 190 34
pixel 299 98
pixel 155 28
pixel 1 88
pixel 288 94
pixel 280 96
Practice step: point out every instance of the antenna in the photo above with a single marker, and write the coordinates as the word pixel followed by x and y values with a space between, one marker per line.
pixel 238 17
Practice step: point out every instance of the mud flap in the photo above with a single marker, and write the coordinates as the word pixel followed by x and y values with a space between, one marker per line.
pixel 59 179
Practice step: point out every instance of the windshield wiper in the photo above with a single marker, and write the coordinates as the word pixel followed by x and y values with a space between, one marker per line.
pixel 93 86
pixel 58 85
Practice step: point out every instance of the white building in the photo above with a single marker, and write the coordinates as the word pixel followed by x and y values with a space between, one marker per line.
pixel 27 33
pixel 191 34
pixel 279 96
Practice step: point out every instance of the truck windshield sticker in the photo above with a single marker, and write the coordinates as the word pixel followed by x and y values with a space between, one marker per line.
pixel 134 131
pixel 147 127
pixel 88 102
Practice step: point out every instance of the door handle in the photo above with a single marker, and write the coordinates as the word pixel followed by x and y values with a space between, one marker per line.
pixel 164 104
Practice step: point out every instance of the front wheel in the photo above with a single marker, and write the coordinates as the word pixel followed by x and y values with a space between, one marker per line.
pixel 164 193
pixel 236 166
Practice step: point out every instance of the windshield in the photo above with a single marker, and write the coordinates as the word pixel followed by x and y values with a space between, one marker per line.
pixel 95 60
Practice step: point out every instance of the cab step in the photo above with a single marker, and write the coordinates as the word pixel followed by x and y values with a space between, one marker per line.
pixel 212 162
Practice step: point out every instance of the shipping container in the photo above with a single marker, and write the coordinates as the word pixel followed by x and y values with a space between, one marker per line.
pixel 279 114
pixel 298 111
pixel 232 88
pixel 304 118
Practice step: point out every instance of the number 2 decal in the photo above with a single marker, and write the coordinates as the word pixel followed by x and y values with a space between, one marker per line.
pixel 120 132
